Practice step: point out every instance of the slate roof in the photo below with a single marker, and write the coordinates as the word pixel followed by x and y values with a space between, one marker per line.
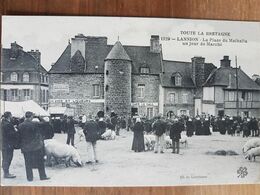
pixel 23 62
pixel 172 67
pixel 78 60
pixel 118 53
pixel 95 55
pixel 220 77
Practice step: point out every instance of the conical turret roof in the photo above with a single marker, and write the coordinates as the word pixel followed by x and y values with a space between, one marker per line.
pixel 118 53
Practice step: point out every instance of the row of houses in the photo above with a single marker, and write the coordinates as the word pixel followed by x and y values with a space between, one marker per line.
pixel 91 75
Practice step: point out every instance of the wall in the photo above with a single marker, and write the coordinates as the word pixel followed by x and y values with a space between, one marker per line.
pixel 151 93
pixel 118 87
pixel 207 9
pixel 208 93
pixel 78 92
pixel 178 104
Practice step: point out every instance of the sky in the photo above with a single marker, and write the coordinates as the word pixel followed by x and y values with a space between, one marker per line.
pixel 50 34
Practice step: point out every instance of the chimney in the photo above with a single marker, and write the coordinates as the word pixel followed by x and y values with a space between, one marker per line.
pixel 155 46
pixel 198 70
pixel 15 48
pixel 78 43
pixel 96 40
pixel 36 54
pixel 225 62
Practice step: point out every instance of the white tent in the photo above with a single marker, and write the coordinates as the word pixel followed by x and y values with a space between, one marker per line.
pixel 18 109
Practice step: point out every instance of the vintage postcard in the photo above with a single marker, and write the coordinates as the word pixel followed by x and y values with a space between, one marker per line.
pixel 121 101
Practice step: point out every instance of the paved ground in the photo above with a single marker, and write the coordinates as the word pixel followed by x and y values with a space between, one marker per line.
pixel 119 166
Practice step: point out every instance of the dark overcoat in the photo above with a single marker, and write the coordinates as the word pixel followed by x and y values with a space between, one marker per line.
pixel 9 135
pixel 30 136
pixel 91 131
pixel 138 141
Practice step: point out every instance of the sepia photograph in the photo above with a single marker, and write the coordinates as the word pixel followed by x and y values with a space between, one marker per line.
pixel 129 101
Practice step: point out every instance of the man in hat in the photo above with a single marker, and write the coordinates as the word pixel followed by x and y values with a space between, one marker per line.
pixel 175 135
pixel 9 137
pixel 70 130
pixel 32 147
pixel 159 128
pixel 91 131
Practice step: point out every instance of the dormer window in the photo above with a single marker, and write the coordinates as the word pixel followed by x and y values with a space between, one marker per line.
pixel 177 79
pixel 14 77
pixel 144 70
pixel 26 77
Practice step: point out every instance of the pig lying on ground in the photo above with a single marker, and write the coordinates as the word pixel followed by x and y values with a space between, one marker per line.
pixel 149 141
pixel 108 135
pixel 168 142
pixel 252 143
pixel 58 150
pixel 183 140
pixel 252 153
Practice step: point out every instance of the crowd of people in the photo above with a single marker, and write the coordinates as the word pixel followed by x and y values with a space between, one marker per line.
pixel 29 133
pixel 199 125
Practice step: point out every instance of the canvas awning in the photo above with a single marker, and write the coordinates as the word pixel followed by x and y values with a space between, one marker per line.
pixel 18 109
pixel 61 110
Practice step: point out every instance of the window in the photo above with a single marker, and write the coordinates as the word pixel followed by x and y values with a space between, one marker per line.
pixel 185 98
pixel 47 95
pixel 178 80
pixel 149 113
pixel 231 96
pixel 96 90
pixel 172 97
pixel 247 96
pixel 5 95
pixel 141 90
pixel 243 95
pixel 14 94
pixel 14 76
pixel 107 72
pixel 26 77
pixel 144 70
pixel 26 94
pixel 43 96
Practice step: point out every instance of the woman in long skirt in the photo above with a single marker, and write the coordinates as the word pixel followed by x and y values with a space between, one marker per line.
pixel 138 141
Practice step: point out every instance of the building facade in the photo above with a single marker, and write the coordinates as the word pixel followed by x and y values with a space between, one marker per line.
pixel 91 76
pixel 229 91
pixel 23 77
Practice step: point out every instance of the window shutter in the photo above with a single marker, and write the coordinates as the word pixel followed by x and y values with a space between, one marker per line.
pixel 8 98
pixel 19 94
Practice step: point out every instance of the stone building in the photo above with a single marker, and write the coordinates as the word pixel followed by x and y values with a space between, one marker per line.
pixel 181 86
pixel 220 92
pixel 91 75
pixel 23 77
